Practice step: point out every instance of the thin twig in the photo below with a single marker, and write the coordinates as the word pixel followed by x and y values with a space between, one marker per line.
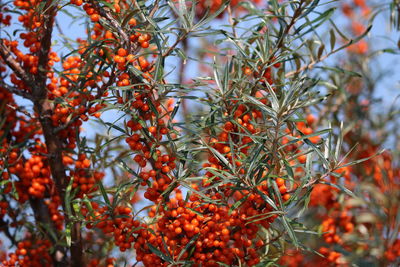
pixel 105 13
pixel 154 9
pixel 172 47
pixel 230 18
pixel 26 113
pixel 280 42
pixel 5 53
pixel 99 94
pixel 182 72
pixel 312 182
pixel 16 91
pixel 5 229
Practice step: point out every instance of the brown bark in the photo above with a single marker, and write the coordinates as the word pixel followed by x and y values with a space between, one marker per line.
pixel 53 144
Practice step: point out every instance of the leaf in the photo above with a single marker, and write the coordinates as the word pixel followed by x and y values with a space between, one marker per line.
pixel 340 70
pixel 361 160
pixel 225 81
pixel 220 157
pixel 290 231
pixel 303 137
pixel 159 253
pixel 68 196
pixel 253 158
pixel 339 142
pixel 310 8
pixel 217 79
pixel 159 75
pixel 207 18
pixel 341 187
pixel 192 240
pixel 268 200
pixel 332 38
pixel 268 110
pixel 116 127
pixel 88 205
pixel 358 38
pixel 320 19
pixel 320 51
pixel 237 204
pixel 104 193
pixel 181 54
pixel 68 234
pixel 175 110
pixel 318 151
pixel 288 168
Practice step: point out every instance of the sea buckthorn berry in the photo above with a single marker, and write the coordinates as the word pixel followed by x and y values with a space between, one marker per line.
pixel 122 52
pixel 132 22
pixel 95 18
pixel 144 45
pixel 165 169
pixel 152 129
pixel 280 182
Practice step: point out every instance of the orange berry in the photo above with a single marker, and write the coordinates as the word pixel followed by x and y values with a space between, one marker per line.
pixel 122 52
pixel 132 22
pixel 165 169
pixel 95 17
pixel 145 44
pixel 225 231
pixel 280 182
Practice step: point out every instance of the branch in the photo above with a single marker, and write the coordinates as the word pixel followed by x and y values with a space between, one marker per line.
pixel 280 42
pixel 295 16
pixel 23 111
pixel 99 94
pixel 5 53
pixel 44 107
pixel 41 213
pixel 105 13
pixel 16 91
pixel 4 228
pixel 172 47
pixel 42 217
pixel 40 92
pixel 318 60
pixel 54 144
pixel 312 181
pixel 154 9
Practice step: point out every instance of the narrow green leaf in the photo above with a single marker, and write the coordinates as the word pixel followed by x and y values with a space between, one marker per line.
pixel 104 193
pixel 159 253
pixel 237 204
pixel 332 38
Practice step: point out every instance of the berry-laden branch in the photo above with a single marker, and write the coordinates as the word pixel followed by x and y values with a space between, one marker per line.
pixel 14 65
pixel 4 227
pixel 106 13
pixel 44 108
pixel 16 91
pixel 54 146
pixel 261 173
pixel 41 213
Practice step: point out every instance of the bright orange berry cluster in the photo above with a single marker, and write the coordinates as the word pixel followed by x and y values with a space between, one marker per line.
pixel 30 253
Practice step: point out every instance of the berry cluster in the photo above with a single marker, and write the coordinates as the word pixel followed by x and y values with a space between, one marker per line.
pixel 31 252
pixel 357 11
